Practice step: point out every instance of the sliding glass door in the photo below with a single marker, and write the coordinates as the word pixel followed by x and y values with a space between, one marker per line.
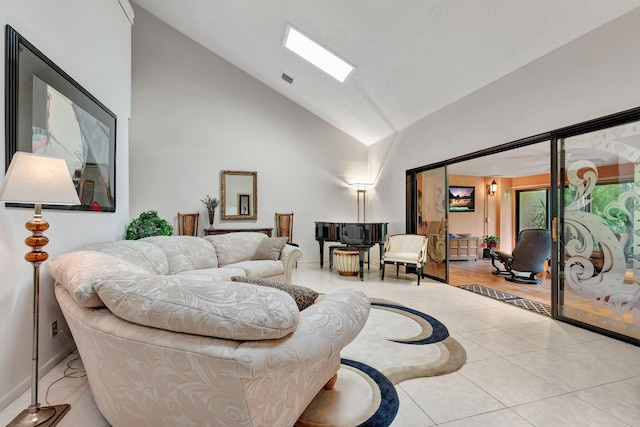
pixel 431 221
pixel 586 189
pixel 600 229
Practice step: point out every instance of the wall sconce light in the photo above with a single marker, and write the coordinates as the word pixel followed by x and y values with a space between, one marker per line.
pixel 361 191
pixel 493 187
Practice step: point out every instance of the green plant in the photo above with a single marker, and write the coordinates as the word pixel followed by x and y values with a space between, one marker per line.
pixel 490 240
pixel 148 224
pixel 210 202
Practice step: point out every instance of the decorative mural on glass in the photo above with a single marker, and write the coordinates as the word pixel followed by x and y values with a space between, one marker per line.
pixel 432 206
pixel 602 228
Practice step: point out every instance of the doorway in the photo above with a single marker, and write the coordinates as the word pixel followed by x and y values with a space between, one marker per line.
pixel 519 200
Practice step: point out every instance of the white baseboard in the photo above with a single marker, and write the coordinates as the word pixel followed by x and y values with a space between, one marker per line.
pixel 44 369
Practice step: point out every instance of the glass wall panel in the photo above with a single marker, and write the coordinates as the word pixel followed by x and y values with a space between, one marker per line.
pixel 532 207
pixel 600 284
pixel 432 219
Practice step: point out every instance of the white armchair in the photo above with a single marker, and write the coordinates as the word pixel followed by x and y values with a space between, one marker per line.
pixel 407 250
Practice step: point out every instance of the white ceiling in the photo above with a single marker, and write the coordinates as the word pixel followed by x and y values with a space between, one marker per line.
pixel 413 57
pixel 525 161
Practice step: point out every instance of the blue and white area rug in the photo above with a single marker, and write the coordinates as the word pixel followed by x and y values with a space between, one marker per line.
pixel 397 343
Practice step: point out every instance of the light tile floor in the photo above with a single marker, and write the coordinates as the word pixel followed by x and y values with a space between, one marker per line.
pixel 522 369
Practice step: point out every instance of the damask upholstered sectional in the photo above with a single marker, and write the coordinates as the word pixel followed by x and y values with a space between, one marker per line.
pixel 218 257
pixel 166 344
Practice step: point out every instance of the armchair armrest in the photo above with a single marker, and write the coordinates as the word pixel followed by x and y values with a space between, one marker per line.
pixel 324 329
pixel 289 256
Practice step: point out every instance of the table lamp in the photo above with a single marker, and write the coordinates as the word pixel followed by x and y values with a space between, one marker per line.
pixel 36 179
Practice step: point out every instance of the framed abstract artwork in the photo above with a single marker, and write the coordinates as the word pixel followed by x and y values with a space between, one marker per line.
pixel 48 113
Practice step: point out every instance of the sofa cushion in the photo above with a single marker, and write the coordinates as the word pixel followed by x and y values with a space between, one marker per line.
pixel 304 297
pixel 235 247
pixel 229 310
pixel 185 252
pixel 143 254
pixel 259 269
pixel 213 274
pixel 270 248
pixel 408 257
pixel 78 271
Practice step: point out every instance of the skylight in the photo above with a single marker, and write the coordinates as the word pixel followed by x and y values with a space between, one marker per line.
pixel 303 46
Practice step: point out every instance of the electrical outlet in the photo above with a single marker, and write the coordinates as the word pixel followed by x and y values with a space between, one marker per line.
pixel 54 328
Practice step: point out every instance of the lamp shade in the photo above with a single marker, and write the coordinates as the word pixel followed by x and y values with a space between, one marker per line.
pixel 37 179
pixel 361 185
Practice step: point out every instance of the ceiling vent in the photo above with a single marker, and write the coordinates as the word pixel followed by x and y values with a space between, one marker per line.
pixel 286 78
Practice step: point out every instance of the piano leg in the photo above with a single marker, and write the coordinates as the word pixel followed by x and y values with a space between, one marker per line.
pixel 321 242
pixel 361 252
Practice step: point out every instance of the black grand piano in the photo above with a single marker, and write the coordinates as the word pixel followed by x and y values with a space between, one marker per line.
pixel 358 235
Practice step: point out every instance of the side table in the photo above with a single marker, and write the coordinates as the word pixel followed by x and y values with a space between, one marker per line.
pixel 210 230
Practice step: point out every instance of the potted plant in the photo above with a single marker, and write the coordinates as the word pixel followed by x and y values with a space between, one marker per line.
pixel 211 203
pixel 148 224
pixel 490 241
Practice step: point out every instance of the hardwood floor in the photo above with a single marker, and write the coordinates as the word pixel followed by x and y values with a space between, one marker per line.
pixel 480 273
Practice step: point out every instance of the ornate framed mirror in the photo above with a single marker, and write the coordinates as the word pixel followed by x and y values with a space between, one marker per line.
pixel 239 194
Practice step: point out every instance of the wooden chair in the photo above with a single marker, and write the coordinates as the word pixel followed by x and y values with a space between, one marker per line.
pixel 188 224
pixel 284 226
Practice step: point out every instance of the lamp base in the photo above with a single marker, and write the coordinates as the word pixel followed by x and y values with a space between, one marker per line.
pixel 45 416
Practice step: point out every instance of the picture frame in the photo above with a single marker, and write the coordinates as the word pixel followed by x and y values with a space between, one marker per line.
pixel 50 114
pixel 462 198
pixel 244 204
pixel 233 183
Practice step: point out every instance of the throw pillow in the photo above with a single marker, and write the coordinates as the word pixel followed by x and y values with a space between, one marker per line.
pixel 228 310
pixel 232 248
pixel 304 297
pixel 78 271
pixel 270 248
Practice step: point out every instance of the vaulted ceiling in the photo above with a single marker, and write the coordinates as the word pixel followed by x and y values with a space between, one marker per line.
pixel 413 57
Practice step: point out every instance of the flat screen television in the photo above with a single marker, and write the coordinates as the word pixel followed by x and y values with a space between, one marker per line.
pixel 462 199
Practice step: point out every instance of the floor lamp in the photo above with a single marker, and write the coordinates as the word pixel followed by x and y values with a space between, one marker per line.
pixel 361 191
pixel 38 180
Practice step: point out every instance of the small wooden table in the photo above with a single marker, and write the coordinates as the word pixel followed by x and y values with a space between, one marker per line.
pixel 209 231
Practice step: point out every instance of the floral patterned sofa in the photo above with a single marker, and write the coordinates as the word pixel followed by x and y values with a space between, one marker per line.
pixel 195 349
pixel 218 257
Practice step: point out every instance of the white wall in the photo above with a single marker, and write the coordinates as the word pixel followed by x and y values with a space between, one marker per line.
pixel 194 114
pixel 90 41
pixel 594 76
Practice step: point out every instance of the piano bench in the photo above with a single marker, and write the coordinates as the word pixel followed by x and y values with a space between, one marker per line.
pixel 347 261
pixel 331 249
